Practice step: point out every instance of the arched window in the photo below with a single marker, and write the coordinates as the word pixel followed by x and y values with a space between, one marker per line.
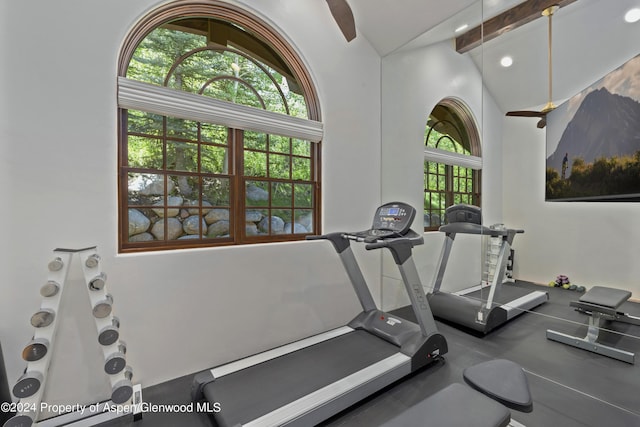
pixel 219 132
pixel 452 164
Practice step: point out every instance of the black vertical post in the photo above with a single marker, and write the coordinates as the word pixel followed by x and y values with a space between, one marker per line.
pixel 5 395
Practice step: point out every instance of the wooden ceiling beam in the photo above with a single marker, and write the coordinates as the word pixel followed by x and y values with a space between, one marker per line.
pixel 513 18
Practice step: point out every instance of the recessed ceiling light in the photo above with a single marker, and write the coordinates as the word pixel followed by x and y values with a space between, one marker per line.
pixel 506 61
pixel 633 15
pixel 461 28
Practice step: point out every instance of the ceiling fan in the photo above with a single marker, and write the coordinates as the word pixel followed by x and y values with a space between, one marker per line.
pixel 344 18
pixel 550 106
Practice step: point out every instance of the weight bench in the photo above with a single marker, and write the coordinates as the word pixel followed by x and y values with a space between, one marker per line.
pixel 601 304
pixel 460 406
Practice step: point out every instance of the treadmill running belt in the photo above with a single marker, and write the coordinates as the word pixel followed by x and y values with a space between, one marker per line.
pixel 505 295
pixel 250 393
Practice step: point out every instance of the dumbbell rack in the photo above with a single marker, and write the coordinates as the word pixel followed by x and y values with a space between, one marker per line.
pixel 30 387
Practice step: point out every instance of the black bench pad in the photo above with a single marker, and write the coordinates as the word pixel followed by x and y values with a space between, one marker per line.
pixel 502 380
pixel 454 406
pixel 606 297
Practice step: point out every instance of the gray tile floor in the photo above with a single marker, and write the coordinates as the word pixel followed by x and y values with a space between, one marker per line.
pixel 570 387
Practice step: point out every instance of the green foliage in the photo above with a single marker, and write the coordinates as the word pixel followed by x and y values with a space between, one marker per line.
pixel 154 56
pixel 443 141
pixel 282 194
pixel 216 191
pixel 555 187
pixel 185 61
pixel 605 176
pixel 436 188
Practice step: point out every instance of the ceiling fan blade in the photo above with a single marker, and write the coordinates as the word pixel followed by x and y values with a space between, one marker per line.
pixel 525 113
pixel 344 18
pixel 542 123
pixel 548 12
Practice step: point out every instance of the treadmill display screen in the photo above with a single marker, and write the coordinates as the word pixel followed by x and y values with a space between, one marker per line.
pixel 394 217
pixel 390 211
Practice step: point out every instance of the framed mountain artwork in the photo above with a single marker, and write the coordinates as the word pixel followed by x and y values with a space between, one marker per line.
pixel 593 141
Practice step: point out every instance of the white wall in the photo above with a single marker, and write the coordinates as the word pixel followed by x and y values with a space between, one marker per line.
pixel 5 190
pixel 592 243
pixel 413 83
pixel 181 311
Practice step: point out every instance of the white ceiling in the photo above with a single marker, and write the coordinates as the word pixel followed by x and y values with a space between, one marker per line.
pixel 389 24
pixel 590 38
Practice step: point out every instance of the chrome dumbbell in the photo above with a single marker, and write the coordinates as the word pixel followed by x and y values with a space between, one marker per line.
pixel 123 389
pixel 98 282
pixel 110 334
pixel 28 384
pixel 43 318
pixel 22 420
pixel 50 288
pixel 36 349
pixel 116 361
pixel 56 264
pixel 103 307
pixel 92 261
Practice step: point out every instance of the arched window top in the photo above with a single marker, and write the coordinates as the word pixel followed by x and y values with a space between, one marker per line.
pixel 451 127
pixel 219 50
pixel 191 55
pixel 219 132
pixel 452 162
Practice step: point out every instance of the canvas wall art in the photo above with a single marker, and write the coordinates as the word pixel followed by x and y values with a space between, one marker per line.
pixel 593 141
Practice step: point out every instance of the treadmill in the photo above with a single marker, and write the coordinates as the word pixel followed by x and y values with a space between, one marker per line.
pixel 308 381
pixel 473 308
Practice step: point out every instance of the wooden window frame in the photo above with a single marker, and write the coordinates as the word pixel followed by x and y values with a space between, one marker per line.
pixel 232 13
pixel 449 192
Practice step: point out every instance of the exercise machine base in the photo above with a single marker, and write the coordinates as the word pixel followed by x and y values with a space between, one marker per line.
pixel 601 305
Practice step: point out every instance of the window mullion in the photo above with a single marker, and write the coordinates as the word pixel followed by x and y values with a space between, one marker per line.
pixel 449 184
pixel 269 184
pixel 238 190
pixel 165 218
pixel 200 182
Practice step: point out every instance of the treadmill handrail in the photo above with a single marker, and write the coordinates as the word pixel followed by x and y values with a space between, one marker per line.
pixel 337 239
pixel 343 247
pixel 340 240
pixel 399 247
pixel 413 240
pixel 471 228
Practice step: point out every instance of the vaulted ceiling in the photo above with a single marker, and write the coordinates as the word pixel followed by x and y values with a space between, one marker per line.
pixel 590 38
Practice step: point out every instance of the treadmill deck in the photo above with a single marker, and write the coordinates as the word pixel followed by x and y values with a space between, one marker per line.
pixel 251 393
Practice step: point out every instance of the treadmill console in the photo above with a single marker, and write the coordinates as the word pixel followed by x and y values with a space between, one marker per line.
pixel 392 220
pixel 463 213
